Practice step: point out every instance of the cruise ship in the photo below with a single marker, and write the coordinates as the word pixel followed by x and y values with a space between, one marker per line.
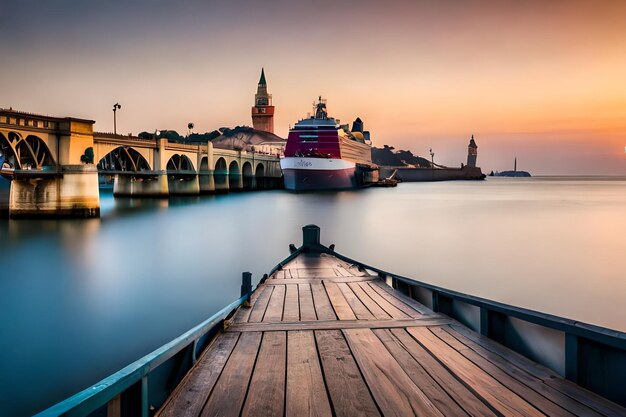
pixel 322 154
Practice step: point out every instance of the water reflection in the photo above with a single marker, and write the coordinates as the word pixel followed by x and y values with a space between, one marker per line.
pixel 83 298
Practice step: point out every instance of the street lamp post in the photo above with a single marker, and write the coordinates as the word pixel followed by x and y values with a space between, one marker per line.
pixel 116 106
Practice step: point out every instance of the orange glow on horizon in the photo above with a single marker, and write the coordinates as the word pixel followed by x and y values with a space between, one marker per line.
pixel 518 75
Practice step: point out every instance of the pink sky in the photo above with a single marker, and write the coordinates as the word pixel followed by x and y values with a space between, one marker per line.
pixel 543 81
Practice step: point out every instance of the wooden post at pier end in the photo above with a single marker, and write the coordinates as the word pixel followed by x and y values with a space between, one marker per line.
pixel 310 235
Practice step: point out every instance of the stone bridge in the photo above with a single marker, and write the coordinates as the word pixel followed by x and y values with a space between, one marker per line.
pixel 57 164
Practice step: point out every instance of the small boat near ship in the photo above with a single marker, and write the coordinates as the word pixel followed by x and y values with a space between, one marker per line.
pixel 326 335
pixel 322 154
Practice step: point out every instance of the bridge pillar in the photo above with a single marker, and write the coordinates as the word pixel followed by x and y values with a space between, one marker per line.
pixel 72 191
pixel 127 185
pixel 206 182
pixel 183 184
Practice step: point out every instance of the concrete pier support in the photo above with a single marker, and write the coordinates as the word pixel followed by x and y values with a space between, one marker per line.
pixel 183 185
pixel 72 192
pixel 127 185
pixel 206 182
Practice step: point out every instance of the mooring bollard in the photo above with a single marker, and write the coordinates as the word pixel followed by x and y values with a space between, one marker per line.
pixel 310 235
pixel 246 287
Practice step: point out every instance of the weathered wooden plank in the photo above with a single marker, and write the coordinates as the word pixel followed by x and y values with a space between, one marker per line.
pixel 348 392
pixel 391 309
pixel 338 301
pixel 453 387
pixel 307 309
pixel 341 272
pixel 394 392
pixel 358 308
pixel 318 279
pixel 550 378
pixel 404 303
pixel 316 272
pixel 266 395
pixel 291 312
pixel 306 392
pixel 371 305
pixel 243 313
pixel 465 398
pixel 230 390
pixel 538 401
pixel 337 324
pixel 478 355
pixel 192 392
pixel 497 395
pixel 419 376
pixel 323 307
pixel 274 311
pixel 260 305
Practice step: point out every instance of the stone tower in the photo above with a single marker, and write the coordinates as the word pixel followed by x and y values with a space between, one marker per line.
pixel 472 153
pixel 263 111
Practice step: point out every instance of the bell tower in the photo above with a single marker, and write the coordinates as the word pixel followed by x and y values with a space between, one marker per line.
pixel 472 153
pixel 263 111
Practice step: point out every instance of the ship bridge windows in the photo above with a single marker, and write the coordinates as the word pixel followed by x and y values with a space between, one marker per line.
pixel 308 138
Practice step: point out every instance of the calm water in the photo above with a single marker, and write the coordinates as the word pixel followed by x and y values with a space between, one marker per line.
pixel 81 299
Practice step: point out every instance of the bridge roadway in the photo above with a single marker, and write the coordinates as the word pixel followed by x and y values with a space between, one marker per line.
pixel 324 338
pixel 56 165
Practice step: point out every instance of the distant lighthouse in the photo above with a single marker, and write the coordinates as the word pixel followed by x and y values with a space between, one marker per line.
pixel 263 111
pixel 472 153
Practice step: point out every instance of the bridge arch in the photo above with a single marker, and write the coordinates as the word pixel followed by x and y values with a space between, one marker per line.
pixel 247 176
pixel 259 175
pixel 204 164
pixel 123 158
pixel 234 176
pixel 180 162
pixel 25 153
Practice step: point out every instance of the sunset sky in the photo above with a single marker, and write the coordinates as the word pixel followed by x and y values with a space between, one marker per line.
pixel 541 80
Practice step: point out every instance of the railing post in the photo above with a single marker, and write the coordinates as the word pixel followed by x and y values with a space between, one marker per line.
pixel 435 296
pixel 493 325
pixel 571 357
pixel 246 287
pixel 484 321
pixel 442 304
pixel 145 411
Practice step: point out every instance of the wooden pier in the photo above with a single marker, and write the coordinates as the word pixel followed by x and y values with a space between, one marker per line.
pixel 322 337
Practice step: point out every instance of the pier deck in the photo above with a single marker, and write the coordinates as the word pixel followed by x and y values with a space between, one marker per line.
pixel 322 338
